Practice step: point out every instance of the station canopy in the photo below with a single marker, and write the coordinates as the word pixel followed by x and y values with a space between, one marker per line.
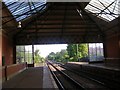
pixel 105 9
pixel 45 22
pixel 108 10
pixel 21 10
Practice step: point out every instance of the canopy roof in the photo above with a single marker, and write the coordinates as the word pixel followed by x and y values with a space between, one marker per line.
pixel 22 10
pixel 106 9
pixel 56 22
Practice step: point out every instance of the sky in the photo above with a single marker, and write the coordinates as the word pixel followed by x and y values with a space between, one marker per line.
pixel 46 49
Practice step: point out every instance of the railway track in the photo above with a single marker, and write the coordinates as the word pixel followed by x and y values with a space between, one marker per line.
pixel 66 79
pixel 111 84
pixel 63 81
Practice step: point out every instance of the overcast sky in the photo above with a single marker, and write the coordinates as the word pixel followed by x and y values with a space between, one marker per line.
pixel 46 49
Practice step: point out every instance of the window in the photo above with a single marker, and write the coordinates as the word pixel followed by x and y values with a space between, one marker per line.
pixel 24 54
pixel 20 54
pixel 105 9
pixel 23 9
pixel 28 54
pixel 96 52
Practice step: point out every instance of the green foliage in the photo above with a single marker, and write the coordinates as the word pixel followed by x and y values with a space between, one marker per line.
pixel 37 57
pixel 51 56
pixel 82 50
pixel 23 55
pixel 28 57
pixel 71 50
pixel 76 51
pixel 61 56
pixel 72 53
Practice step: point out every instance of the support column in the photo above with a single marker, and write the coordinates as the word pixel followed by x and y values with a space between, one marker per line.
pixel 14 51
pixel 24 54
pixel 77 51
pixel 88 52
pixel 104 51
pixel 33 54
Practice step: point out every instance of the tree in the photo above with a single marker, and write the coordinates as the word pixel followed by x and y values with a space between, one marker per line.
pixel 76 51
pixel 71 50
pixel 37 57
pixel 61 56
pixel 58 56
pixel 64 55
pixel 82 50
pixel 51 56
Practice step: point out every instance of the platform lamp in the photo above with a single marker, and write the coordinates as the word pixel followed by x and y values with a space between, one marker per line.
pixel 19 24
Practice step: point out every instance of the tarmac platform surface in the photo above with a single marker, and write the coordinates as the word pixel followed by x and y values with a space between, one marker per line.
pixel 33 77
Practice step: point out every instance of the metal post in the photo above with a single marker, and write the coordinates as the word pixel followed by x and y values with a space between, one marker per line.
pixel 5 73
pixel 88 52
pixel 33 54
pixel 24 55
pixel 96 51
pixel 77 51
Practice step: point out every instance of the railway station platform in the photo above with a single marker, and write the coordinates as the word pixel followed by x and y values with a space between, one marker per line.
pixel 101 70
pixel 32 77
pixel 96 65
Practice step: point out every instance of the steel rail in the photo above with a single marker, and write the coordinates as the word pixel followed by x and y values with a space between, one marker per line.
pixel 97 79
pixel 60 86
pixel 69 78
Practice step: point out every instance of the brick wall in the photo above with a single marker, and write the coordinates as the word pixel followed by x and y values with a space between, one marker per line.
pixel 112 43
pixel 0 48
pixel 10 71
pixel 7 50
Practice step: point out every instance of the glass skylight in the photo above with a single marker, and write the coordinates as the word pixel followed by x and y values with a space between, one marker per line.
pixel 22 10
pixel 105 9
